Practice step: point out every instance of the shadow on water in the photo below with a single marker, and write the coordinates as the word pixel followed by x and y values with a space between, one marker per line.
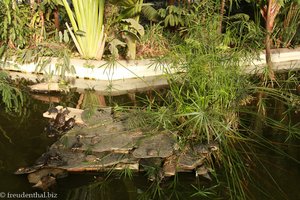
pixel 22 141
pixel 278 175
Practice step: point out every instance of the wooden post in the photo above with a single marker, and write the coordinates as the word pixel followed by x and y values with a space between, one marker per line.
pixel 131 96
pixel 102 100
pixel 222 10
pixel 56 18
pixel 80 100
pixel 41 37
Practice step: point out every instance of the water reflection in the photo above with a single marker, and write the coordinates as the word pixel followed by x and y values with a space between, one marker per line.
pixel 90 187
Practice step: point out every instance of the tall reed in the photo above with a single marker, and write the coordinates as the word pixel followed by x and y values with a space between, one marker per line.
pixel 209 100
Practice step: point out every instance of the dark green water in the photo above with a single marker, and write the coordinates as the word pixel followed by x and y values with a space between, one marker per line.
pixel 22 142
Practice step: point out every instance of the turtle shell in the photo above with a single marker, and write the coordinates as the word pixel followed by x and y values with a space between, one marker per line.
pixel 52 110
pixel 69 124
pixel 60 120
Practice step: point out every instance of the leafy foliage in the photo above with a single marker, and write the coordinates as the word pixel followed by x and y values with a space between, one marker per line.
pixel 25 25
pixel 11 96
pixel 14 24
pixel 88 29
pixel 287 25
pixel 208 101
pixel 173 16
pixel 154 43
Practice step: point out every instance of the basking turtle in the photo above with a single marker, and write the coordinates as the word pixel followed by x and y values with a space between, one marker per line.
pixel 152 152
pixel 52 110
pixel 203 171
pixel 46 177
pixel 69 124
pixel 50 158
pixel 66 111
pixel 46 182
pixel 78 143
pixel 60 119
pixel 42 161
pixel 50 128
pixel 26 170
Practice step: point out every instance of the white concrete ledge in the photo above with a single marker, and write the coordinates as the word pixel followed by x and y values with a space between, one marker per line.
pixel 98 70
pixel 121 77
pixel 278 55
pixel 103 70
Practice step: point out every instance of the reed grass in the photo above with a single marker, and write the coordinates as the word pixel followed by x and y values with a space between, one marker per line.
pixel 214 101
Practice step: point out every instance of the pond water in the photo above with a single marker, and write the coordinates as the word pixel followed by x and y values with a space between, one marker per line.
pixel 22 141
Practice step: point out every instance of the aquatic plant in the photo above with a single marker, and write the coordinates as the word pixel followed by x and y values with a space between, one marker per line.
pixel 126 173
pixel 211 99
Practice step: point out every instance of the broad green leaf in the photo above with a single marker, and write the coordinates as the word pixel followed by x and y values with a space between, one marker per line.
pixel 150 13
pixel 66 36
pixel 135 25
pixel 113 46
pixel 60 36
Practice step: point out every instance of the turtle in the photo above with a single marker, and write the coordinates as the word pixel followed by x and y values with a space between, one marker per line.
pixel 76 145
pixel 52 110
pixel 96 139
pixel 26 170
pixel 202 171
pixel 69 124
pixel 50 128
pixel 46 182
pixel 66 111
pixel 52 157
pixel 152 152
pixel 60 119
pixel 55 159
pixel 45 178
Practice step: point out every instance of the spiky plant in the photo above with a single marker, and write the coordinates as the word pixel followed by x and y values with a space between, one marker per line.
pixel 208 102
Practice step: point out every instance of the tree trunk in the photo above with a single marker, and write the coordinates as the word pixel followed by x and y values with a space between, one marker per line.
pixel 268 44
pixel 171 2
pixel 270 14
pixel 56 18
pixel 222 10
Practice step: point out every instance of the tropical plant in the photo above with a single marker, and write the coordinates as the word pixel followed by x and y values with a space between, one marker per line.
pixel 25 25
pixel 173 16
pixel 208 102
pixel 286 25
pixel 131 31
pixel 154 43
pixel 14 25
pixel 11 96
pixel 88 29
pixel 269 10
pixel 241 30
